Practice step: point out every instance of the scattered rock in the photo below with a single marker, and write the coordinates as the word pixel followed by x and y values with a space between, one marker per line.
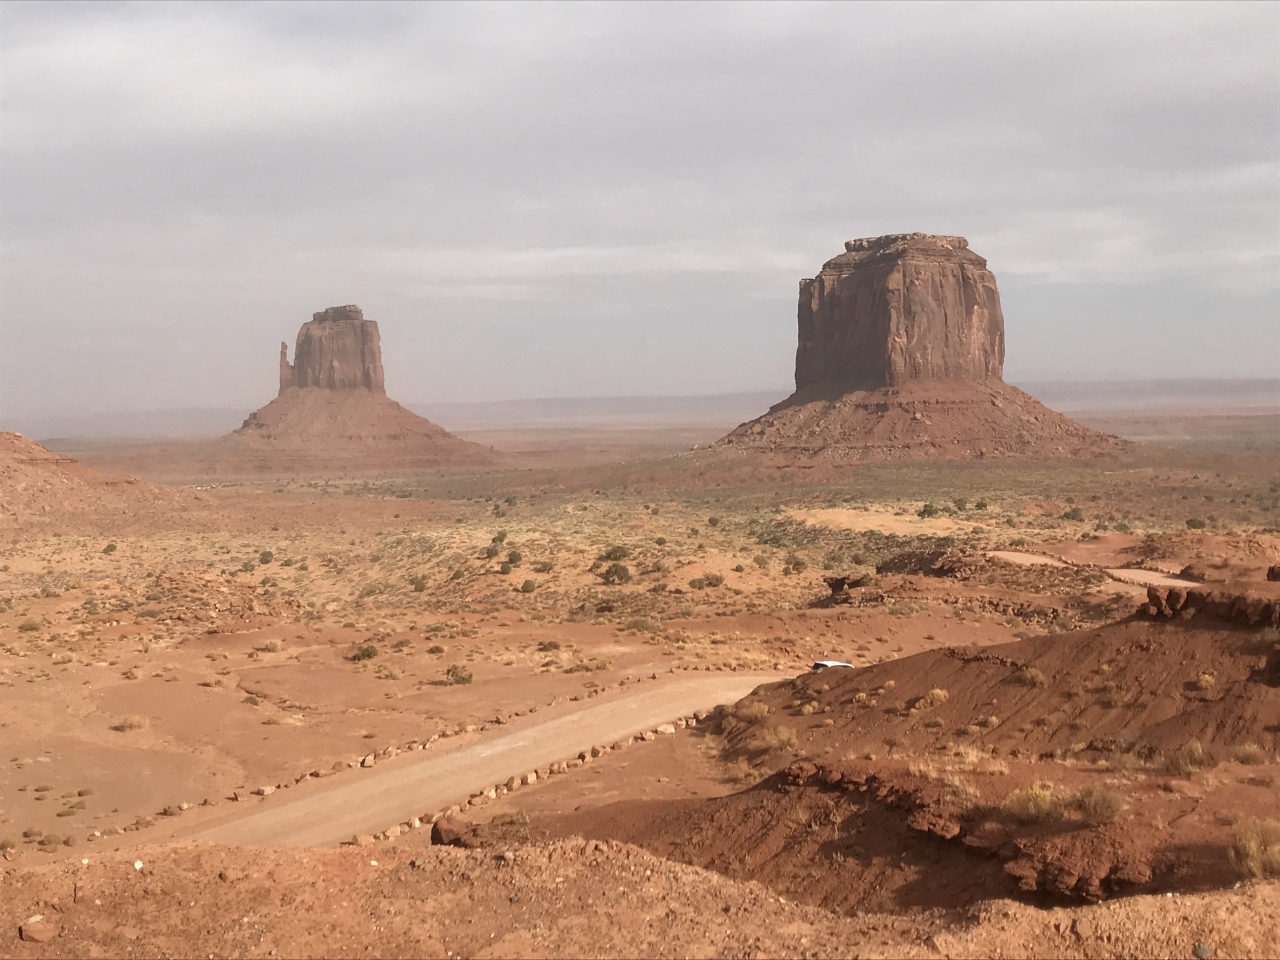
pixel 38 930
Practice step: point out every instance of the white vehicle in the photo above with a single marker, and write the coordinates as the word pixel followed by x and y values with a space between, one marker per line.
pixel 824 664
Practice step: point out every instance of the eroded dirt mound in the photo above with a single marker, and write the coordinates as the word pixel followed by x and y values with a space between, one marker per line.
pixel 312 430
pixel 920 419
pixel 38 486
pixel 1135 687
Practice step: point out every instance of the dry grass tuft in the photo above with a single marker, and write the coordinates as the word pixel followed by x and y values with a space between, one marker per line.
pixel 757 710
pixel 1098 805
pixel 1187 759
pixel 1249 754
pixel 1031 677
pixel 126 724
pixel 1255 852
pixel 779 739
pixel 1033 804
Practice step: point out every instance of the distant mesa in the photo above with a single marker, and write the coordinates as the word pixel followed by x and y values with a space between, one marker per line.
pixel 900 355
pixel 332 413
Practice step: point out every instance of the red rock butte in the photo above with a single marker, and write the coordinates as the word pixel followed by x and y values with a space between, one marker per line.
pixel 333 415
pixel 900 356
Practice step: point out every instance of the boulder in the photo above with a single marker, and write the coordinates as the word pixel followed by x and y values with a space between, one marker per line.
pixel 451 831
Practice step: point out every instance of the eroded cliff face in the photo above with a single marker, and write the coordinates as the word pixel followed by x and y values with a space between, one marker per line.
pixel 337 350
pixel 897 308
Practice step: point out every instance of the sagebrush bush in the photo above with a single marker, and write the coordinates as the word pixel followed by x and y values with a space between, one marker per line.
pixel 458 674
pixel 756 710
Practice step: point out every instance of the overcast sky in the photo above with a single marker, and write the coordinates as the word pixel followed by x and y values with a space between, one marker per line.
pixel 543 200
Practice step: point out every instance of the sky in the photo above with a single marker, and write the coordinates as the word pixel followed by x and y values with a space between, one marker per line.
pixel 545 200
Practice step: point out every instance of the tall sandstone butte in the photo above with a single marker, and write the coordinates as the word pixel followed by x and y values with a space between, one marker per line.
pixel 897 308
pixel 337 350
pixel 333 413
pixel 900 355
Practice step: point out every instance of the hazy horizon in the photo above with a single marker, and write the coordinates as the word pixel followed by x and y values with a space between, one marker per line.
pixel 541 201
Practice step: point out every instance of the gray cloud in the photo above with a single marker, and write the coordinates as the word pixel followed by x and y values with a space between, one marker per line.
pixel 576 200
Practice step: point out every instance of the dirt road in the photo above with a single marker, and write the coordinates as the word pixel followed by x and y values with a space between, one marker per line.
pixel 367 801
pixel 1125 575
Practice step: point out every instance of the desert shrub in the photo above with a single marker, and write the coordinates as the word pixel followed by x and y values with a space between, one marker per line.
pixel 713 521
pixel 435 648
pixel 457 574
pixel 1098 805
pixel 505 568
pixel 546 646
pixel 714 579
pixel 698 583
pixel 756 710
pixel 1075 513
pixel 271 646
pixel 779 739
pixel 126 724
pixel 739 569
pixel 28 626
pixel 514 557
pixel 1255 850
pixel 796 563
pixel 1187 759
pixel 1032 804
pixel 458 674
pixel 1195 523
pixel 365 652
pixel 928 510
pixel 500 537
pixel 1249 754
pixel 810 708
pixel 660 541
pixel 491 551
pixel 6 844
pixel 419 583
pixel 643 625
pixel 1205 681
pixel 528 586
pixel 934 697
pixel 1031 677
pixel 109 548
pixel 615 553
pixel 265 557
pixel 616 573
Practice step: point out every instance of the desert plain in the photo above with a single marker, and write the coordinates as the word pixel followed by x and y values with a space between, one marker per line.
pixel 552 692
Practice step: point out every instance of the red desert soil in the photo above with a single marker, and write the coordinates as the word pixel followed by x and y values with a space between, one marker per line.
pixel 38 486
pixel 1140 748
pixel 565 898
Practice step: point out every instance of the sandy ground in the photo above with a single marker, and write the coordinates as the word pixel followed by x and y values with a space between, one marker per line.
pixel 185 646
